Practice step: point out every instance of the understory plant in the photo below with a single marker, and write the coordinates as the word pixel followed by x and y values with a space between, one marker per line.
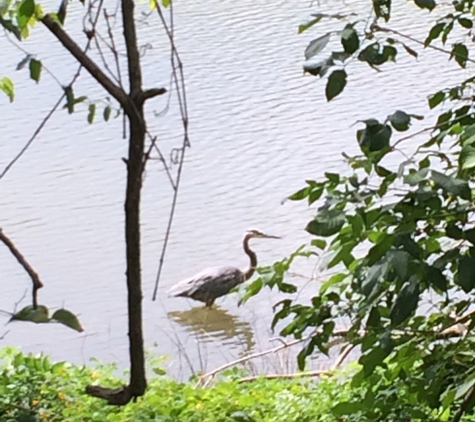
pixel 33 389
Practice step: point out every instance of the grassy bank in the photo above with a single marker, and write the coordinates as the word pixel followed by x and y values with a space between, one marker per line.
pixel 32 388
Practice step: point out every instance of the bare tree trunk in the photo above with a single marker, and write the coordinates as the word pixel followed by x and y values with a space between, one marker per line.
pixel 135 165
pixel 132 235
pixel 133 105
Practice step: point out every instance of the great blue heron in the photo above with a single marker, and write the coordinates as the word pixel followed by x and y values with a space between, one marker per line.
pixel 211 283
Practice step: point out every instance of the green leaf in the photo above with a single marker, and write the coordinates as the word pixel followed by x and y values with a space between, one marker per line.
pixel 10 27
pixel 382 9
pixel 35 70
pixel 416 177
pixel 464 388
pixel 61 14
pixel 28 313
pixel 467 157
pixel 412 52
pixel 347 408
pixel 69 99
pixel 336 84
pixel 465 23
pixel 371 280
pixel 25 11
pixel 299 195
pixel 23 62
pixel 159 371
pixel 385 242
pixel 4 6
pixel 6 85
pixel 320 68
pixel 470 236
pixel 251 290
pixel 357 224
pixel 400 120
pixel 405 303
pixel 333 177
pixel 303 27
pixel 315 194
pixel 454 232
pixel 447 30
pixel 405 241
pixel 340 56
pixel 374 318
pixel 436 99
pixel 375 137
pixel 371 360
pixel 389 53
pixel 67 318
pixel 466 271
pixel 425 4
pixel 452 185
pixel 436 278
pixel 319 243
pixel 350 39
pixel 91 113
pixel 107 113
pixel 460 53
pixel 327 223
pixel 317 45
pixel 434 33
pixel 399 261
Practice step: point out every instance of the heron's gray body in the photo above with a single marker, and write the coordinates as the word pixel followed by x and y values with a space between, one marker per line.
pixel 209 284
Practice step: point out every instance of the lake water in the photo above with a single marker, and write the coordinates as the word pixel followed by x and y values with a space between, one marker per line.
pixel 258 129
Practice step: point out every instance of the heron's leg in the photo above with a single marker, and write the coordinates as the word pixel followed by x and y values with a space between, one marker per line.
pixel 209 303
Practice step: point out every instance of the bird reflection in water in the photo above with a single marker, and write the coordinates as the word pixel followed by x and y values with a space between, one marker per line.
pixel 215 324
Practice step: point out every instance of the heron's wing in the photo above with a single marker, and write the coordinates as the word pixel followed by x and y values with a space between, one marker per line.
pixel 190 285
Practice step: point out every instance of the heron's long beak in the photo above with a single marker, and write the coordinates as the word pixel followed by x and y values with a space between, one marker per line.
pixel 268 236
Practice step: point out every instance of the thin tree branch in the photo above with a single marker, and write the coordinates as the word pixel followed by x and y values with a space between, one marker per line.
pixel 465 404
pixel 153 145
pixel 376 27
pixel 170 221
pixel 133 56
pixel 114 48
pixel 179 79
pixel 33 137
pixel 345 351
pixel 37 284
pixel 153 92
pixel 88 63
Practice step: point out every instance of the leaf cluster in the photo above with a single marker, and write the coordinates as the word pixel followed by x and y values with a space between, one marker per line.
pixel 369 43
pixel 398 240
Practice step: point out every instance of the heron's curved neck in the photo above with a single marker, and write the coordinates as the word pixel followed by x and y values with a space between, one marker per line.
pixel 252 256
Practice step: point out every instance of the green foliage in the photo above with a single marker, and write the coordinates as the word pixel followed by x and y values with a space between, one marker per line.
pixel 35 389
pixel 398 235
pixel 40 315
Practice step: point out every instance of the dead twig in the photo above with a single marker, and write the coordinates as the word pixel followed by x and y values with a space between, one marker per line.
pixel 345 351
pixel 211 375
pixel 316 373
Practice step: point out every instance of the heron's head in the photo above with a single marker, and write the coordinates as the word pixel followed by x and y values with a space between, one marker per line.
pixel 255 234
